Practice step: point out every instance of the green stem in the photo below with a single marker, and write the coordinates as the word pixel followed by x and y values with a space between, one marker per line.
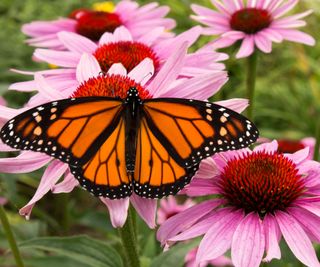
pixel 129 242
pixel 316 155
pixel 251 81
pixel 10 237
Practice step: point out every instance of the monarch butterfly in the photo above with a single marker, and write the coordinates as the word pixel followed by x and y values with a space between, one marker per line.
pixel 116 146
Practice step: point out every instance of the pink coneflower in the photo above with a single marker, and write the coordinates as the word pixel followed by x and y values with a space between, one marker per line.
pixel 291 146
pixel 169 207
pixel 94 23
pixel 263 195
pixel 122 47
pixel 257 22
pixel 91 82
pixel 190 260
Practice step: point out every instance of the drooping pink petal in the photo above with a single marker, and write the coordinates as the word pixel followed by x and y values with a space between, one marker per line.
pixel 218 238
pixel 272 235
pixel 146 208
pixel 203 226
pixel 25 162
pixel 247 47
pixel 87 68
pixel 248 242
pixel 77 43
pixel 118 210
pixel 185 219
pixel 297 239
pixel 66 186
pixel 264 44
pixel 308 220
pixel 50 177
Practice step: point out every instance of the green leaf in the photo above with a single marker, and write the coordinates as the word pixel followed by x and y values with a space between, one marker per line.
pixel 175 256
pixel 52 261
pixel 82 249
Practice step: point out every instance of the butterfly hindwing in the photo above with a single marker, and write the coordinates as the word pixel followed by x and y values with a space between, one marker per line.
pixel 157 173
pixel 69 130
pixel 105 172
pixel 192 130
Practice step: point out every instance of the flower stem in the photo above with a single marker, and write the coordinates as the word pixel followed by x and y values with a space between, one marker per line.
pixel 316 155
pixel 251 81
pixel 10 237
pixel 129 242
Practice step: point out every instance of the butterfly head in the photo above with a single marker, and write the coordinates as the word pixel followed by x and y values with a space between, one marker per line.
pixel 133 95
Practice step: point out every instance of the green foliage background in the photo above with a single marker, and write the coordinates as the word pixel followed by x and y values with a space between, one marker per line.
pixel 287 106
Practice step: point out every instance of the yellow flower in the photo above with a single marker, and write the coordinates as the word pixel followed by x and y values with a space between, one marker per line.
pixel 107 6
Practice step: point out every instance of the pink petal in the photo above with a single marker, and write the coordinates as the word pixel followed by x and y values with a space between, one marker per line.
pixel 236 104
pixel 59 58
pixel 272 35
pixel 28 86
pixel 77 43
pixel 272 234
pixel 66 186
pixel 7 113
pixel 46 90
pixel 168 72
pixel 118 210
pixel 142 72
pixel 203 226
pixel 185 219
pixel 106 38
pixel 152 36
pixel 263 43
pixel 267 147
pixel 122 34
pixel 299 156
pixel 207 170
pixel 25 162
pixel 247 47
pixel 87 68
pixel 207 85
pixel 164 49
pixel 50 177
pixel 146 208
pixel 200 187
pixel 308 220
pixel 117 68
pixel 223 42
pixel 218 238
pixel 284 8
pixel 297 239
pixel 297 36
pixel 248 242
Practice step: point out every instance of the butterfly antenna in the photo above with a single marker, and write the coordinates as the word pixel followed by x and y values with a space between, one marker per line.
pixel 147 76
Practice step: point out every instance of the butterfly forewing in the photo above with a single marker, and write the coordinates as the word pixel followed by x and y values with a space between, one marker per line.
pixel 70 129
pixel 105 172
pixel 157 173
pixel 192 130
